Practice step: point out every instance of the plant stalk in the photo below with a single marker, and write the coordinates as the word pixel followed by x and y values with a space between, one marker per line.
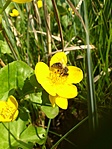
pixel 92 107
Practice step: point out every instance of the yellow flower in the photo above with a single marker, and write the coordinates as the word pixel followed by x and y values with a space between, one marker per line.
pixel 39 3
pixel 21 1
pixel 70 9
pixel 14 13
pixel 8 110
pixel 58 79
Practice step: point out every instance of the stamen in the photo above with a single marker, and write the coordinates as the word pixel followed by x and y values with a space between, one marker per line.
pixel 58 74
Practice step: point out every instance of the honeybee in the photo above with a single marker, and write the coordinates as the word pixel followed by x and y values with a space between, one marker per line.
pixel 63 71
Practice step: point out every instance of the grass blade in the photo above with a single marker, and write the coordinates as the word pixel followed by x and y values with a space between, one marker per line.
pixel 92 108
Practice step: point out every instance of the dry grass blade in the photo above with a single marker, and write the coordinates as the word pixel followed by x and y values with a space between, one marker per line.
pixel 77 13
pixel 59 24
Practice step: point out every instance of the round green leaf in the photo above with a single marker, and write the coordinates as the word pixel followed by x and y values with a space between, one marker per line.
pixel 20 135
pixel 12 130
pixel 34 134
pixel 51 112
pixel 13 76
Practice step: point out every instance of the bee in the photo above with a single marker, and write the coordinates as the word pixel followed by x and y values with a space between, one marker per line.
pixel 63 71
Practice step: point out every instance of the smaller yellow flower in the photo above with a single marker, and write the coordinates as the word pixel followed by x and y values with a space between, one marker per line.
pixel 8 110
pixel 14 13
pixel 21 1
pixel 59 79
pixel 39 3
pixel 70 9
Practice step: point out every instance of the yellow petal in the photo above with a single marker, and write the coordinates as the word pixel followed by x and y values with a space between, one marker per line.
pixel 11 14
pixel 59 57
pixel 8 110
pixel 60 101
pixel 12 102
pixel 2 119
pixel 14 13
pixel 15 115
pixel 41 71
pixel 2 104
pixel 21 1
pixel 75 74
pixel 67 91
pixel 49 87
pixel 39 3
pixel 42 75
pixel 52 100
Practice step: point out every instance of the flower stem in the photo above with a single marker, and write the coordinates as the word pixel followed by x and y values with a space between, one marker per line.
pixel 43 147
pixel 5 6
pixel 71 130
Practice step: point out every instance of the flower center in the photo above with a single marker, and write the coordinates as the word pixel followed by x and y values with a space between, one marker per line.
pixel 7 111
pixel 58 73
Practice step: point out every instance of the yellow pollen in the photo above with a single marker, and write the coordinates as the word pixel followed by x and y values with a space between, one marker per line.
pixel 56 76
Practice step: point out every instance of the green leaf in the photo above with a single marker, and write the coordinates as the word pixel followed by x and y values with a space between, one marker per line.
pixel 13 76
pixel 64 20
pixel 17 127
pixel 11 131
pixel 62 10
pixel 51 112
pixel 27 88
pixel 34 134
pixel 36 97
pixel 4 47
pixel 20 135
pixel 45 98
pixel 4 143
pixel 34 82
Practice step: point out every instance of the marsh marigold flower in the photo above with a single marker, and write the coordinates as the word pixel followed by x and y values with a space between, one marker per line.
pixel 39 3
pixel 14 13
pixel 8 110
pixel 21 1
pixel 58 79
